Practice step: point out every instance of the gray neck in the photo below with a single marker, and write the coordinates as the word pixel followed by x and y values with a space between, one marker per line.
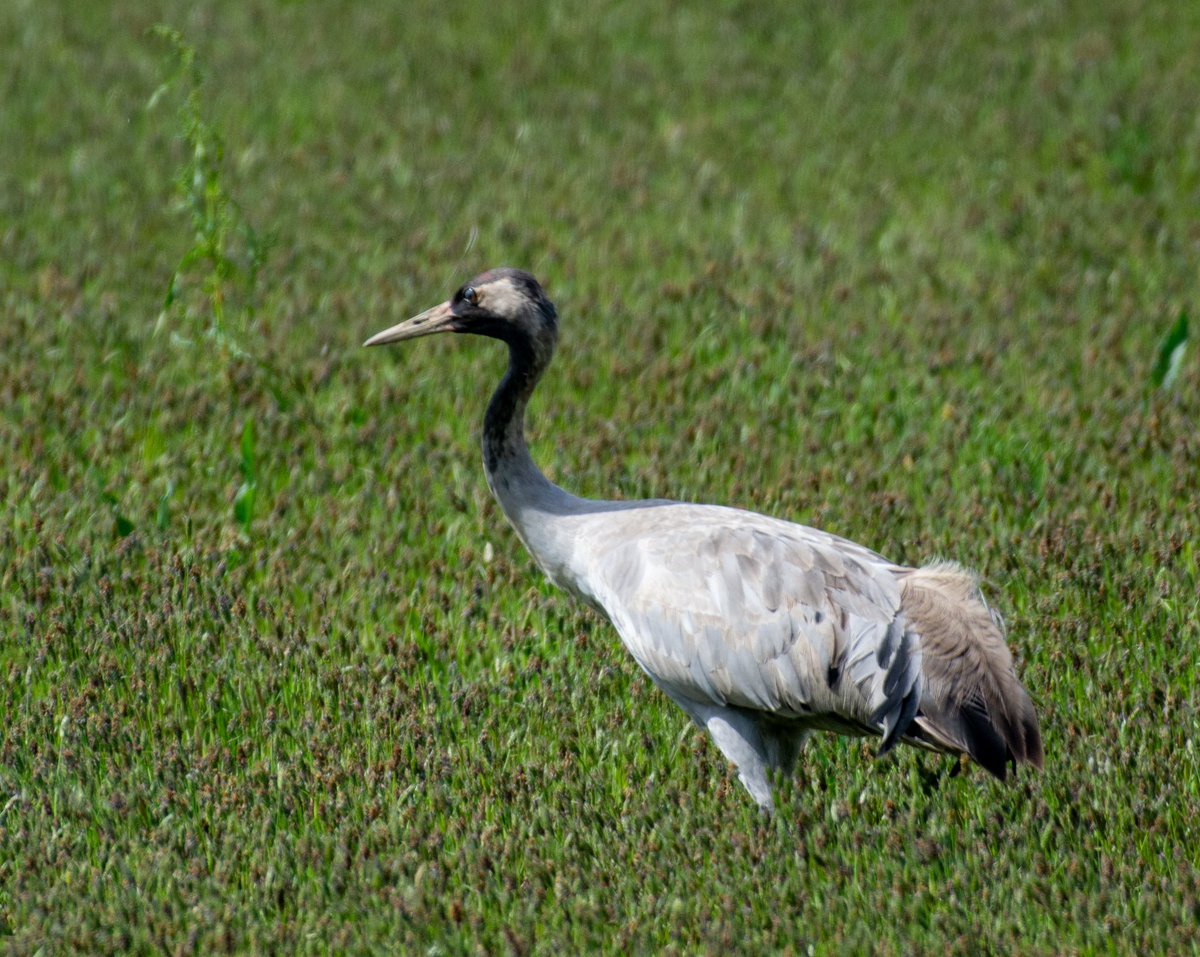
pixel 529 500
pixel 547 519
pixel 504 421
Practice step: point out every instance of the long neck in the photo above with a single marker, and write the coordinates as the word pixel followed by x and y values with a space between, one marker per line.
pixel 525 495
pixel 504 422
pixel 543 515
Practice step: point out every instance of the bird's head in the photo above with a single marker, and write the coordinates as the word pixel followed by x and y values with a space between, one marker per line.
pixel 505 304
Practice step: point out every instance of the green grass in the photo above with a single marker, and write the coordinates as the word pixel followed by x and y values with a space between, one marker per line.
pixel 277 677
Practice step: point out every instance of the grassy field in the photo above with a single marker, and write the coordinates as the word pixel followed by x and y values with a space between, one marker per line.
pixel 277 678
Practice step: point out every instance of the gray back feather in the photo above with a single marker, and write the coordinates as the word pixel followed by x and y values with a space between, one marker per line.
pixel 726 607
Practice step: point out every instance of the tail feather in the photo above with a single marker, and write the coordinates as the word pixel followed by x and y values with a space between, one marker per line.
pixel 972 701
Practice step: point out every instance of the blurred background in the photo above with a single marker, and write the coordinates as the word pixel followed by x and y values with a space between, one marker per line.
pixel 278 676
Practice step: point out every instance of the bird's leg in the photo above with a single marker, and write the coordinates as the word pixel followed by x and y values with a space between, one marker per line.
pixel 783 746
pixel 739 740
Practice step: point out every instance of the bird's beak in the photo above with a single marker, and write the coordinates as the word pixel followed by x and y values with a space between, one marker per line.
pixel 437 319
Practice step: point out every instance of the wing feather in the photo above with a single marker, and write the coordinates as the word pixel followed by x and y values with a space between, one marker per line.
pixel 734 608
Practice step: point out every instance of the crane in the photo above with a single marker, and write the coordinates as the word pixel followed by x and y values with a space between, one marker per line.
pixel 761 630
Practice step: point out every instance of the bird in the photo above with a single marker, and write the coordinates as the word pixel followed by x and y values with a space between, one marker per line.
pixel 761 630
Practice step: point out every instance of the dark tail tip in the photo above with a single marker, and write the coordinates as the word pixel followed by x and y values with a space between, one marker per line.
pixel 990 734
pixel 984 743
pixel 1032 737
pixel 994 742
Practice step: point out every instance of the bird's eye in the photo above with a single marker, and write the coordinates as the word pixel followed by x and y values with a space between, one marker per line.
pixel 470 295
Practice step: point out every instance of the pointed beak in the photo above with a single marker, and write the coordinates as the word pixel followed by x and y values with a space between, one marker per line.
pixel 431 321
